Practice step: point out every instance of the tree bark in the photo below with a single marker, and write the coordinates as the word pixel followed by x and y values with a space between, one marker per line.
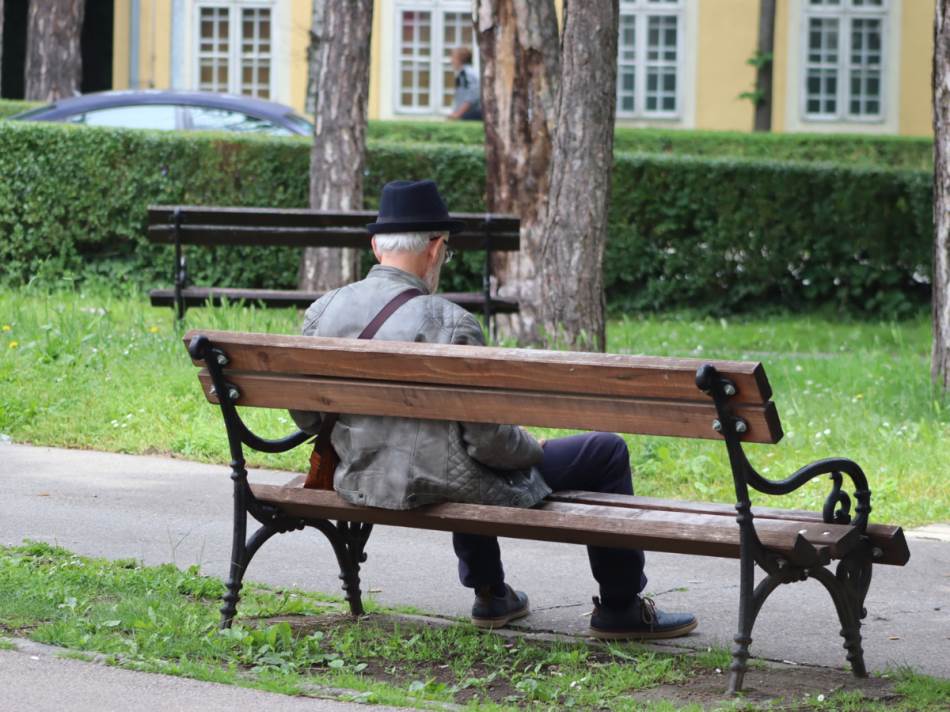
pixel 575 216
pixel 763 78
pixel 53 60
pixel 1 48
pixel 940 363
pixel 519 56
pixel 339 76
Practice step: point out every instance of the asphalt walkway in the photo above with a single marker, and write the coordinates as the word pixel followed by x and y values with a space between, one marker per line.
pixel 160 509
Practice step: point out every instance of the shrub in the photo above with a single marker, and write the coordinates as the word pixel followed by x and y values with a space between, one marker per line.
pixel 885 151
pixel 9 107
pixel 716 235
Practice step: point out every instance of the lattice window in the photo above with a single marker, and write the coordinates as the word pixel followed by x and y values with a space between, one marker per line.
pixel 235 51
pixel 844 59
pixel 426 33
pixel 649 58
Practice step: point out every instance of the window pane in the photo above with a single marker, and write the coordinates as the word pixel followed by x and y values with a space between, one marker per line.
pixel 255 52
pixel 457 31
pixel 866 60
pixel 626 64
pixel 415 50
pixel 662 55
pixel 156 116
pixel 821 84
pixel 213 48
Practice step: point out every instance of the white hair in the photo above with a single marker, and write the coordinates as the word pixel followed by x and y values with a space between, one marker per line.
pixel 405 241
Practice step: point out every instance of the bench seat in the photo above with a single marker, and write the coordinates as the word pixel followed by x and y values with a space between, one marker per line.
pixel 292 298
pixel 622 523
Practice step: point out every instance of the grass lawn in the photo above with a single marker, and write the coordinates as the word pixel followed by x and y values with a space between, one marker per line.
pixel 161 619
pixel 110 373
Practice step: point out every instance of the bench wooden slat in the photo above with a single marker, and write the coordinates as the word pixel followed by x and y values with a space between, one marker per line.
pixel 890 539
pixel 305 217
pixel 840 539
pixel 292 298
pixel 704 535
pixel 306 236
pixel 517 369
pixel 624 415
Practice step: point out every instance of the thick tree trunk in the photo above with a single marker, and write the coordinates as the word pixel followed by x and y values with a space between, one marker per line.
pixel 339 73
pixel 763 78
pixel 53 60
pixel 575 217
pixel 519 55
pixel 940 364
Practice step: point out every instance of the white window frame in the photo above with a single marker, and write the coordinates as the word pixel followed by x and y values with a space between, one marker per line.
pixel 235 53
pixel 846 12
pixel 643 10
pixel 437 10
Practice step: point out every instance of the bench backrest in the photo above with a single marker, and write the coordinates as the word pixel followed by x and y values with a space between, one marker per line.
pixel 284 227
pixel 627 394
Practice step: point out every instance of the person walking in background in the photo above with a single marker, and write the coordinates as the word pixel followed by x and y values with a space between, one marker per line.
pixel 467 103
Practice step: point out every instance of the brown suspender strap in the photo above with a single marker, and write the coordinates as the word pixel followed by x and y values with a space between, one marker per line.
pixel 323 459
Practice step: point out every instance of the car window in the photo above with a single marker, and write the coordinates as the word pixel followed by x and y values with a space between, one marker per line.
pixel 147 116
pixel 204 118
pixel 304 126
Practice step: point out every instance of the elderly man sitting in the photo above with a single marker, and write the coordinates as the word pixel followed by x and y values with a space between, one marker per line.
pixel 401 463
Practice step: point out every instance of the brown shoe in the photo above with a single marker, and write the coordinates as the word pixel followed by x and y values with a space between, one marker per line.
pixel 491 611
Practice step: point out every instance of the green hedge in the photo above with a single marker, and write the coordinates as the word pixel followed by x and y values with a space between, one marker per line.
pixel 8 107
pixel 712 234
pixel 887 151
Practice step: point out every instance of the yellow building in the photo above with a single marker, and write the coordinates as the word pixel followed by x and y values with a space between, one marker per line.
pixel 839 65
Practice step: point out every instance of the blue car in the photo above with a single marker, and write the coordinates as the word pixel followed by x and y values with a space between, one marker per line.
pixel 174 110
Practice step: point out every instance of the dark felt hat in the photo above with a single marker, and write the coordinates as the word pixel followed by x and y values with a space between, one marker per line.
pixel 412 206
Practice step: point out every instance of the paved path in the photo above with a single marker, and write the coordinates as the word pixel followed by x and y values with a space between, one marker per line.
pixel 44 682
pixel 160 509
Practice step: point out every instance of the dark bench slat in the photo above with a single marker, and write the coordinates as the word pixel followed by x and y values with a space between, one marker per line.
pixel 517 369
pixel 305 217
pixel 888 538
pixel 309 236
pixel 704 535
pixel 840 539
pixel 199 296
pixel 624 415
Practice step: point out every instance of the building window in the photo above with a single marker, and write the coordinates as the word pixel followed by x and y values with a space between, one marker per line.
pixel 234 48
pixel 844 59
pixel 427 32
pixel 649 58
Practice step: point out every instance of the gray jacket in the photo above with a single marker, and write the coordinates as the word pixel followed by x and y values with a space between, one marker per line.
pixel 401 463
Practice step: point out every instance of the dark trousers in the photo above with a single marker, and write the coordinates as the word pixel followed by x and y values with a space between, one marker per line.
pixel 596 462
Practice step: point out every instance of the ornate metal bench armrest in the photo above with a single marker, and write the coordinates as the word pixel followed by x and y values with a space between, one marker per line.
pixel 201 349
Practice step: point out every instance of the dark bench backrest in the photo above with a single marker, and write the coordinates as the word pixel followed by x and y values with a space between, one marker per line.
pixel 628 394
pixel 307 228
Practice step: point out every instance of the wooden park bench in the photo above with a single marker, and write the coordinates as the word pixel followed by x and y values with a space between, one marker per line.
pixel 727 401
pixel 183 225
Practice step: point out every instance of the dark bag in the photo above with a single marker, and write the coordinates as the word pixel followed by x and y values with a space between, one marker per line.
pixel 324 459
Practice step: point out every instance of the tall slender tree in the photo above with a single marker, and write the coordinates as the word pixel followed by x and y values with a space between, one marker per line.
pixel 574 223
pixel 764 64
pixel 339 82
pixel 940 363
pixel 53 59
pixel 520 64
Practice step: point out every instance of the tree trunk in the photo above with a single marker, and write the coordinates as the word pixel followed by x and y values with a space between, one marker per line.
pixel 339 75
pixel 575 216
pixel 519 55
pixel 1 48
pixel 53 60
pixel 763 78
pixel 940 364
